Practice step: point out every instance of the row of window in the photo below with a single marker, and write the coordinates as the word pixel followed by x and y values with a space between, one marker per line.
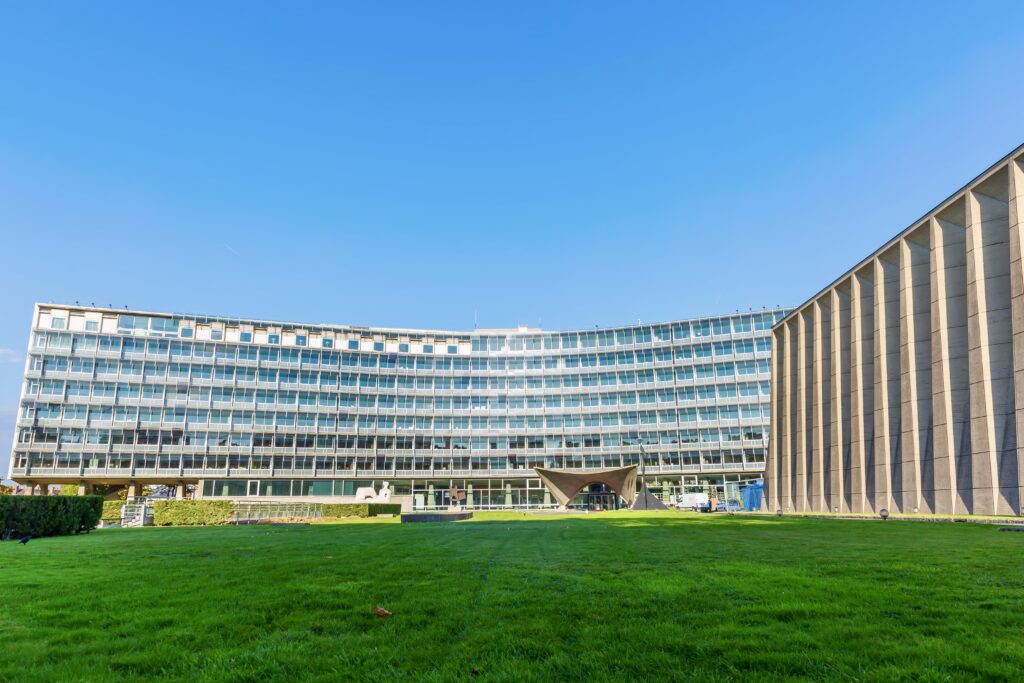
pixel 57 391
pixel 186 351
pixel 382 463
pixel 247 418
pixel 178 437
pixel 716 373
pixel 738 324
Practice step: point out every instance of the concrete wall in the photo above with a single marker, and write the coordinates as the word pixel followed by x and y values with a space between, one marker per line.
pixel 901 385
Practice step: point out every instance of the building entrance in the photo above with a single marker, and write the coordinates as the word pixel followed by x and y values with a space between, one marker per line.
pixel 600 498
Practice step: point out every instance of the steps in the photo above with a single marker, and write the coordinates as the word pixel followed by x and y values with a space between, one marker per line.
pixel 136 514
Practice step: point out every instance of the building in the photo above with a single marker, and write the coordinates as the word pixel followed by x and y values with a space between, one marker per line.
pixel 269 410
pixel 900 386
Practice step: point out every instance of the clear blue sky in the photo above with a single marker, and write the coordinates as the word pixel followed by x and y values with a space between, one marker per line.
pixel 416 164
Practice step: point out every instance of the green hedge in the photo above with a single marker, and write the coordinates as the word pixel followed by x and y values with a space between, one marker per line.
pixel 361 509
pixel 49 515
pixel 193 512
pixel 112 509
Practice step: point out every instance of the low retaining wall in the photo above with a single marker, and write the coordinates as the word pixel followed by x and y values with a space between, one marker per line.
pixel 412 517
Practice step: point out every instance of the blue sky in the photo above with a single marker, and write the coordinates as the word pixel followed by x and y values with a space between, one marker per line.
pixel 421 164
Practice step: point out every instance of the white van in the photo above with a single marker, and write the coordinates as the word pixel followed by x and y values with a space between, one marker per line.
pixel 691 501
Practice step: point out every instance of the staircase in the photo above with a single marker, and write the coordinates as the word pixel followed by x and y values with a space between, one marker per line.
pixel 136 514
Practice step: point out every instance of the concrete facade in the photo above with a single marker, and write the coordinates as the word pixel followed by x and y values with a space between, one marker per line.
pixel 901 384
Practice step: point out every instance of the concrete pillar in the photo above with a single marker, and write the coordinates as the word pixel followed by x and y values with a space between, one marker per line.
pixel 801 412
pixel 821 436
pixel 887 470
pixel 1015 211
pixel 773 484
pixel 179 492
pixel 134 490
pixel 917 469
pixel 840 422
pixel 951 400
pixel 786 420
pixel 990 348
pixel 30 489
pixel 84 488
pixel 862 397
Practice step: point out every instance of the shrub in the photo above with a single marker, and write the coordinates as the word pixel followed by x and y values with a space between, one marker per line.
pixel 49 515
pixel 193 512
pixel 112 509
pixel 361 509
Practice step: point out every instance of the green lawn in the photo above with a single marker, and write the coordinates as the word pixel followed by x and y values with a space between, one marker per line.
pixel 614 596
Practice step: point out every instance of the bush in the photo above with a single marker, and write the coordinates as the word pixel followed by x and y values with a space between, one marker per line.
pixel 49 515
pixel 112 509
pixel 361 509
pixel 193 512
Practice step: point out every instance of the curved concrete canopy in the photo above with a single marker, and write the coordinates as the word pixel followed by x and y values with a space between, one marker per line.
pixel 565 485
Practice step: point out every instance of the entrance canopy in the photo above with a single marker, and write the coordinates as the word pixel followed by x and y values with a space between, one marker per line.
pixel 565 485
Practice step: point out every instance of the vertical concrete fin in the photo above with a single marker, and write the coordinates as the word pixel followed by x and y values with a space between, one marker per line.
pixel 804 415
pixel 1015 211
pixel 888 468
pixel 990 346
pixel 841 465
pixel 918 487
pixel 862 379
pixel 822 405
pixel 775 436
pixel 951 400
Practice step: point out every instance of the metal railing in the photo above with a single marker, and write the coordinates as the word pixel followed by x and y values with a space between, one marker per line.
pixel 253 512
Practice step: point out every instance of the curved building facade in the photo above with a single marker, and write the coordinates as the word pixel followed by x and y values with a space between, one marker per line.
pixel 266 410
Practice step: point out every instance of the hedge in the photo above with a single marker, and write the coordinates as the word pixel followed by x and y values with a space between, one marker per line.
pixel 112 509
pixel 193 512
pixel 49 515
pixel 361 509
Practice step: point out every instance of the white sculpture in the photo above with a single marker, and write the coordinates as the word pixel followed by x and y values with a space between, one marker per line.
pixel 366 494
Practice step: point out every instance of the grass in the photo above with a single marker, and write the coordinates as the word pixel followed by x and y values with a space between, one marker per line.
pixel 516 597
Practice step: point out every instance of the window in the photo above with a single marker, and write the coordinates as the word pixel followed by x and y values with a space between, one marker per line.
pixel 328 343
pixel 452 348
pixel 92 326
pixel 300 340
pixel 403 347
pixel 273 339
pixel 245 336
pixel 378 346
pixel 186 332
pixel 353 344
pixel 428 348
pixel 57 323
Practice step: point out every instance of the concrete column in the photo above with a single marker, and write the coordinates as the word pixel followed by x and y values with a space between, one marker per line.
pixel 887 471
pixel 179 492
pixel 30 489
pixel 821 436
pixel 1015 211
pixel 990 348
pixel 840 409
pixel 917 475
pixel 786 435
pixel 862 377
pixel 951 400
pixel 84 488
pixel 801 421
pixel 775 436
pixel 134 490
